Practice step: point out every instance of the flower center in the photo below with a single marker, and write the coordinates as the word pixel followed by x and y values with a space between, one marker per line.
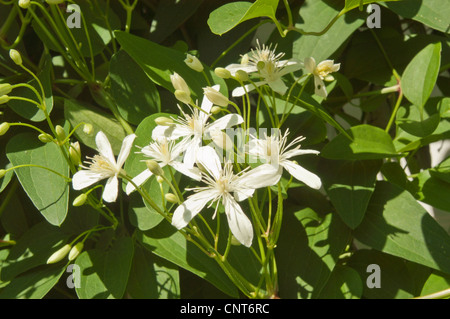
pixel 222 185
pixel 101 165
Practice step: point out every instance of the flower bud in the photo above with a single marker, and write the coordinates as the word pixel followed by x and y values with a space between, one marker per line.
pixel 15 56
pixel 179 83
pixel 234 241
pixel 59 254
pixel 222 73
pixel 75 153
pixel 80 200
pixel 171 198
pixel 215 96
pixel 76 250
pixel 163 121
pixel 216 109
pixel 54 1
pixel 60 133
pixel 24 4
pixel 154 167
pixel 88 129
pixel 2 173
pixel 245 59
pixel 4 127
pixel 194 63
pixel 5 88
pixel 241 75
pixel 45 138
pixel 159 179
pixel 4 99
pixel 182 96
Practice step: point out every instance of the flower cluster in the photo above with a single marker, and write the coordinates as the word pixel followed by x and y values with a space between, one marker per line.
pixel 191 145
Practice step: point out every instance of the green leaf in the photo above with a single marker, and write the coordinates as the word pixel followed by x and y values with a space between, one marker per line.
pixel 442 171
pixel 152 277
pixel 433 13
pixel 420 75
pixel 33 285
pixel 433 190
pixel 413 122
pixel 48 191
pixel 399 278
pixel 344 283
pixel 228 16
pixel 307 252
pixel 159 62
pixel 164 241
pixel 76 113
pixel 32 250
pixel 135 94
pixel 368 142
pixel 350 184
pixel 104 274
pixel 436 282
pixel 144 216
pixel 5 164
pixel 29 110
pixel 352 4
pixel 396 224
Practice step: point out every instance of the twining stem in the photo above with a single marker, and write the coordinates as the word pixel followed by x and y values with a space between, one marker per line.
pixel 437 295
pixel 68 179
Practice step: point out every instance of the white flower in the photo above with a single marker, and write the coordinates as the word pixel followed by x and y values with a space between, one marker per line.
pixel 225 187
pixel 270 68
pixel 104 166
pixel 321 72
pixel 194 63
pixel 193 127
pixel 273 150
pixel 164 152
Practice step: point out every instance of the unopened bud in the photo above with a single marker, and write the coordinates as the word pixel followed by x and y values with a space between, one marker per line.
pixel 245 59
pixel 260 65
pixel 216 109
pixel 76 250
pixel 159 179
pixel 222 73
pixel 4 127
pixel 4 99
pixel 60 133
pixel 179 83
pixel 154 167
pixel 15 56
pixel 80 200
pixel 2 173
pixel 182 96
pixel 45 138
pixel 234 241
pixel 75 153
pixel 194 63
pixel 88 129
pixel 215 96
pixel 163 121
pixel 24 4
pixel 171 198
pixel 5 88
pixel 329 78
pixel 59 254
pixel 241 75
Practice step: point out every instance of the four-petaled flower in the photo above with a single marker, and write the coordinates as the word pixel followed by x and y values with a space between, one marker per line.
pixel 273 150
pixel 321 72
pixel 228 188
pixel 104 166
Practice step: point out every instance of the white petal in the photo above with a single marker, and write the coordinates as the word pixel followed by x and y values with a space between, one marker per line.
pixel 239 224
pixel 206 103
pixel 239 91
pixel 125 149
pixel 235 67
pixel 310 64
pixel 192 172
pixel 191 207
pixel 85 178
pixel 172 132
pixel 224 122
pixel 319 87
pixel 278 86
pixel 111 189
pixel 104 147
pixel 243 193
pixel 140 179
pixel 294 152
pixel 191 151
pixel 261 176
pixel 303 175
pixel 208 158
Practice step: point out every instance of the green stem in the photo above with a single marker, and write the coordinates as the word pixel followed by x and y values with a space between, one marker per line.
pixel 437 295
pixel 68 179
pixel 394 111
